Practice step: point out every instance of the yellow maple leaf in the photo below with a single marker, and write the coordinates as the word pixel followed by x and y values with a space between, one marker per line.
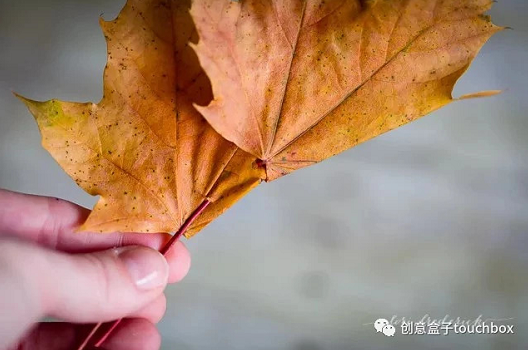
pixel 144 149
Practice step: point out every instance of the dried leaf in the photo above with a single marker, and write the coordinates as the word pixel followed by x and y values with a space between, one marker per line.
pixel 296 81
pixel 144 148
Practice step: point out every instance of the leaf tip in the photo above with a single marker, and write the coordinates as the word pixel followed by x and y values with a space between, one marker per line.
pixel 480 94
pixel 194 46
pixel 32 105
pixel 21 98
pixel 103 23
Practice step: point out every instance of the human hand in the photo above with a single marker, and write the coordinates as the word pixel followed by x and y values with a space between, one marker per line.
pixel 46 269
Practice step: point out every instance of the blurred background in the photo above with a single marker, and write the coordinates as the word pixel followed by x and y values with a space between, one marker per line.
pixel 429 219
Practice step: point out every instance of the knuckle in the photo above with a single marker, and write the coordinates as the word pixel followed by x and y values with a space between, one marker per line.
pixel 17 272
pixel 102 276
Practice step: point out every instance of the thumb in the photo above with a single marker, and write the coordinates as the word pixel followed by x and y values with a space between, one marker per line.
pixel 80 288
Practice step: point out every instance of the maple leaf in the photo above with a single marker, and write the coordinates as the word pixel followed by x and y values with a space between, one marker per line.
pixel 144 148
pixel 296 82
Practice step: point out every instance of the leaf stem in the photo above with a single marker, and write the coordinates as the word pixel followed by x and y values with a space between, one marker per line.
pixel 164 250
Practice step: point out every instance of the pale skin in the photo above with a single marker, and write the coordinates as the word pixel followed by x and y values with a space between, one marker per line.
pixel 49 270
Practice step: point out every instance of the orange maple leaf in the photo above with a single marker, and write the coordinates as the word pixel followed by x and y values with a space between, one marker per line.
pixel 296 81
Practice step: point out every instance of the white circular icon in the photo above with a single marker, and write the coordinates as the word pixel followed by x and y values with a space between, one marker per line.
pixel 389 330
pixel 380 323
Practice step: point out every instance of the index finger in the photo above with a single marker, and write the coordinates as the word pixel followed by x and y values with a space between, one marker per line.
pixel 51 222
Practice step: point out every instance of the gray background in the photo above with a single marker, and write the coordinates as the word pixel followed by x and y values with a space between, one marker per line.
pixel 429 219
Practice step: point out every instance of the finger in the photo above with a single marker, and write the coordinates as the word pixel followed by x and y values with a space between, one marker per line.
pixel 35 217
pixel 179 260
pixel 51 222
pixel 130 335
pixel 85 288
pixel 134 334
pixel 52 336
pixel 154 311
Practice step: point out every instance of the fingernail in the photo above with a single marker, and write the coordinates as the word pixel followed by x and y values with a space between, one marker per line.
pixel 147 267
